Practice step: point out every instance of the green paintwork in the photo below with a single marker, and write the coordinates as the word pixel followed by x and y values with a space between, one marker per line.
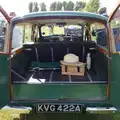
pixel 61 14
pixel 89 103
pixel 115 80
pixel 4 80
pixel 55 91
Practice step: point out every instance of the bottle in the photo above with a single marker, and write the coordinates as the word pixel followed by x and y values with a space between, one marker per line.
pixel 88 61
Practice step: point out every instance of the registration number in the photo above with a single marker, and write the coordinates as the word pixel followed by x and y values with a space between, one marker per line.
pixel 58 108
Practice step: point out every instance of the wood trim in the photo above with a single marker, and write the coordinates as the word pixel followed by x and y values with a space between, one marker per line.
pixel 113 12
pixel 4 53
pixel 5 14
pixel 102 50
pixel 108 86
pixel 111 40
pixel 10 39
pixel 17 50
pixel 10 85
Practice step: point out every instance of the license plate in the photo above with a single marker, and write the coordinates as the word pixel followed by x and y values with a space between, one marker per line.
pixel 57 108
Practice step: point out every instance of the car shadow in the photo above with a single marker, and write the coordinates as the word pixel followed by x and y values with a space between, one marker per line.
pixel 72 116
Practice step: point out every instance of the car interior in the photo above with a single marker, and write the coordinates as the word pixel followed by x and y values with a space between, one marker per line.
pixel 38 61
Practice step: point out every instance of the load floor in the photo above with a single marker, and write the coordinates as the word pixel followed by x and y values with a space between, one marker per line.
pixel 41 76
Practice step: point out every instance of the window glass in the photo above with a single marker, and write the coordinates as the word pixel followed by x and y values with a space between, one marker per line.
pixel 115 25
pixel 61 30
pixel 21 34
pixel 3 34
pixel 27 30
pixel 17 36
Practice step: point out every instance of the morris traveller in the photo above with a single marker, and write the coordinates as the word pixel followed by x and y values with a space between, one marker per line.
pixel 42 67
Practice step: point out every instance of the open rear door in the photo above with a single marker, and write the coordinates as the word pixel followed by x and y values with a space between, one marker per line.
pixel 114 33
pixel 4 59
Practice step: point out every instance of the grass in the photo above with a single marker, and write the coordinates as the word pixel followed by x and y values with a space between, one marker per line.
pixel 15 114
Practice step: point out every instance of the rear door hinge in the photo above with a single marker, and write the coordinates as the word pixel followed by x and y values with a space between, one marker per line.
pixel 108 57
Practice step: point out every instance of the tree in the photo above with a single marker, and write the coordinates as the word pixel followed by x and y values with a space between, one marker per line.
pixel 70 6
pixel 53 6
pixel 56 6
pixel 36 8
pixel 30 6
pixel 43 6
pixel 79 5
pixel 59 6
pixel 92 6
pixel 64 4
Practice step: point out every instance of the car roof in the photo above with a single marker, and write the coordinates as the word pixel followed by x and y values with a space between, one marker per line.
pixel 60 14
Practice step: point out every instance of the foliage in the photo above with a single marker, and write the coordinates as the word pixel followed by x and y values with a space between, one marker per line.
pixel 64 4
pixel 70 6
pixel 92 6
pixel 56 6
pixel 36 8
pixel 79 5
pixel 53 6
pixel 59 6
pixel 30 6
pixel 43 6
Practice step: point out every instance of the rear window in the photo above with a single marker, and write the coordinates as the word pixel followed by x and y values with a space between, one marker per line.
pixel 48 30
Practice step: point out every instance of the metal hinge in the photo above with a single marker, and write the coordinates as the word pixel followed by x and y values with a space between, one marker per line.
pixel 9 57
pixel 108 57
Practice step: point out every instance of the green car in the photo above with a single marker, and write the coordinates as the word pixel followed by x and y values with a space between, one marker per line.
pixel 31 71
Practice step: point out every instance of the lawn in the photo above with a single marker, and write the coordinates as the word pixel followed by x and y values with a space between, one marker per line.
pixel 20 115
pixel 13 114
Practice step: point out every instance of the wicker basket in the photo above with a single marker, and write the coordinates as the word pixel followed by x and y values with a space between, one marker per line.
pixel 77 69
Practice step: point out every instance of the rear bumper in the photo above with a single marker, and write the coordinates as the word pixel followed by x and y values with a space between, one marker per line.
pixel 92 107
pixel 97 108
pixel 101 110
